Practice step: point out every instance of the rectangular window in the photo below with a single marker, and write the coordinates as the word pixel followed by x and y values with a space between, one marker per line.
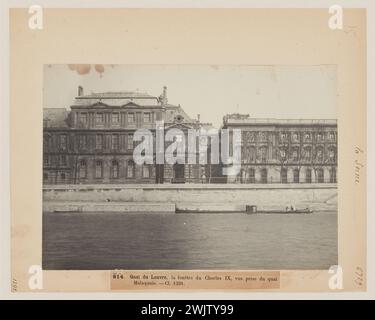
pixel 82 169
pixel 99 117
pixel 320 174
pixel 295 155
pixel 115 168
pixel 115 118
pixel 115 143
pixel 146 172
pixel 131 118
pixel 147 117
pixel 130 169
pixel 263 154
pixel 296 176
pixel 295 137
pixel 307 136
pixel 99 142
pixel 283 136
pixel 252 176
pixel 98 169
pixel 63 160
pixel 262 136
pixel 284 175
pixel 130 141
pixel 63 142
pixel 319 154
pixel 82 141
pixel 332 177
pixel 308 176
pixel 263 176
pixel 319 137
pixel 83 118
pixel 307 154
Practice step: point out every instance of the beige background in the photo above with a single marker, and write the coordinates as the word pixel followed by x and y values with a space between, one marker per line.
pixel 205 36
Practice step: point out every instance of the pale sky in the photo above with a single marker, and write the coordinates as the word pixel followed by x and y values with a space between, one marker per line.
pixel 285 92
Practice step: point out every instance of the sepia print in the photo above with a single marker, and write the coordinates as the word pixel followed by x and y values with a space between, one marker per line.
pixel 188 149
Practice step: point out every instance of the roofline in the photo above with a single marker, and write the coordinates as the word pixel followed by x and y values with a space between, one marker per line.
pixel 115 97
pixel 125 106
pixel 272 121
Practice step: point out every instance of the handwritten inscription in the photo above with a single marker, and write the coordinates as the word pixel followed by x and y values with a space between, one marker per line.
pixel 14 285
pixel 359 276
pixel 358 165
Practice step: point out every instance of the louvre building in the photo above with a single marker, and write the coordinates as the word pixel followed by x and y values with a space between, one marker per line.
pixel 93 143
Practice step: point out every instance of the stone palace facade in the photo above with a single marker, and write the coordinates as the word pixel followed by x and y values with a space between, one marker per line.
pixel 92 143
pixel 285 151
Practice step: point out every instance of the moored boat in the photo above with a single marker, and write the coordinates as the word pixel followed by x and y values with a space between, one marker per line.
pixel 254 210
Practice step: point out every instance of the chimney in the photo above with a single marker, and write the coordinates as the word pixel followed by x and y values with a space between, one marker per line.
pixel 165 99
pixel 80 91
pixel 198 117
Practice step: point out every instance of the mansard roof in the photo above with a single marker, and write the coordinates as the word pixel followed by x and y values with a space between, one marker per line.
pixel 117 99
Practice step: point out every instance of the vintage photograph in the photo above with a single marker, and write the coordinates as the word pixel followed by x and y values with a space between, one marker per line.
pixel 189 167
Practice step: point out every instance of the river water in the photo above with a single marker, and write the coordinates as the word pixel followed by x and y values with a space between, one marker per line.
pixel 189 241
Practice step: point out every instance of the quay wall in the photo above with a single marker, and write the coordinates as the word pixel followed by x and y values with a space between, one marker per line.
pixel 321 197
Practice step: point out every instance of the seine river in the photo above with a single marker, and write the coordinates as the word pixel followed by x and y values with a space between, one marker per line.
pixel 189 241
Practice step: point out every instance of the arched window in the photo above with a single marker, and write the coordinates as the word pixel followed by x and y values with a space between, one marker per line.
pixel 115 169
pixel 82 169
pixel 130 169
pixel 98 169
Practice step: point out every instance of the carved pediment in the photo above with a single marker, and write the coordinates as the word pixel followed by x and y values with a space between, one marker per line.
pixel 181 126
